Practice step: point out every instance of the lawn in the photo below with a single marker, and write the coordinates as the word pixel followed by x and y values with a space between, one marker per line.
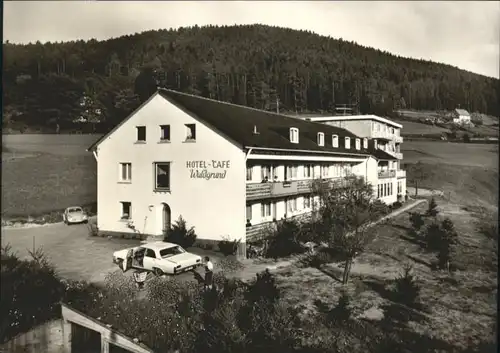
pixel 414 128
pixel 46 173
pixel 467 173
pixel 459 308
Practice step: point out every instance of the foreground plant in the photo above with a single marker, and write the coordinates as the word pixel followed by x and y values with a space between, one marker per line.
pixel 346 211
pixel 407 290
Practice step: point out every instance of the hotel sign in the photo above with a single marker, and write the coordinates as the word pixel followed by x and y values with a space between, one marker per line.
pixel 209 169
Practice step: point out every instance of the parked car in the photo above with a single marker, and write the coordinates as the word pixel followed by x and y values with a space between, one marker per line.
pixel 159 257
pixel 74 215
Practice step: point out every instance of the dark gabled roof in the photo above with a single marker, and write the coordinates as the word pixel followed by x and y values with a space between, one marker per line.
pixel 238 123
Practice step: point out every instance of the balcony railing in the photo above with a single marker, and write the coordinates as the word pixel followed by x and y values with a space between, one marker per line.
pixel 398 139
pixel 283 188
pixel 382 135
pixel 387 174
pixel 401 173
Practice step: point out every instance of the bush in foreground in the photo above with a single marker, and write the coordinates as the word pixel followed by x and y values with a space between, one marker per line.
pixel 181 234
pixel 284 240
pixel 31 292
pixel 407 290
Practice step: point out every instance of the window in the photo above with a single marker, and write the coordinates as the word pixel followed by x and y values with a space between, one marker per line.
pixel 150 253
pixel 267 172
pixel 365 143
pixel 291 172
pixel 375 144
pixel 249 212
pixel 321 139
pixel 141 133
pixel 307 202
pixel 358 144
pixel 390 189
pixel 126 210
pixel 324 171
pixel 308 171
pixel 335 141
pixel 294 135
pixel 190 132
pixel 162 176
pixel 378 191
pixel 291 205
pixel 165 133
pixel 249 173
pixel 265 210
pixel 347 142
pixel 125 172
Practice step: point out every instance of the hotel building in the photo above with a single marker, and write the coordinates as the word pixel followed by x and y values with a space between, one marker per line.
pixel 228 170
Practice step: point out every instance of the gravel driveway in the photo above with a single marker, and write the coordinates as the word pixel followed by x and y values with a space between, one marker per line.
pixel 74 253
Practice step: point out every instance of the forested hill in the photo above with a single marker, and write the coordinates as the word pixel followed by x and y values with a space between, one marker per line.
pixel 253 65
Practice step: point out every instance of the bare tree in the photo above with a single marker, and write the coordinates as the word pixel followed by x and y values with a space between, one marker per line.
pixel 345 209
pixel 416 174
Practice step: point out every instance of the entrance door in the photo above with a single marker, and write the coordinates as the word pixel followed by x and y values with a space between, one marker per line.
pixel 166 218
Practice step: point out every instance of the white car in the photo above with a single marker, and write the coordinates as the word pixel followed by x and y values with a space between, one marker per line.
pixel 159 257
pixel 74 215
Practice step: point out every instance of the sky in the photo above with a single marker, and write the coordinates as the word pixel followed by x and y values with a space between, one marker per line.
pixel 459 33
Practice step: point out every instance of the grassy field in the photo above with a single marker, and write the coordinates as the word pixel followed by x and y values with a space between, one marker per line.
pixel 459 309
pixel 414 128
pixel 46 173
pixel 467 173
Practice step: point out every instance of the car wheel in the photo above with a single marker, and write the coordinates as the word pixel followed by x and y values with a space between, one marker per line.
pixel 158 272
pixel 86 221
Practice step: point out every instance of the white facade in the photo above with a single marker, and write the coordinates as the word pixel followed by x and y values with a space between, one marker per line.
pixel 461 116
pixel 215 206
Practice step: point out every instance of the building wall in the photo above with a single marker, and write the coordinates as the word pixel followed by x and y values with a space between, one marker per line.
pixel 360 128
pixel 47 337
pixel 215 207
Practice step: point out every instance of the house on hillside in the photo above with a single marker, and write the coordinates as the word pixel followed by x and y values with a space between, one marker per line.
pixel 229 170
pixel 461 117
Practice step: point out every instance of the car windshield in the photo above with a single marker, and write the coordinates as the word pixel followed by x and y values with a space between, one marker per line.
pixel 168 252
pixel 74 210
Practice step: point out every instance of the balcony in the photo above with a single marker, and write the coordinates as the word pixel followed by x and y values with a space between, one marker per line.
pixel 283 188
pixel 398 139
pixel 382 135
pixel 387 174
pixel 401 174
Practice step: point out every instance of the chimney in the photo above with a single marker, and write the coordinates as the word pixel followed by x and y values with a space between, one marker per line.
pixel 255 132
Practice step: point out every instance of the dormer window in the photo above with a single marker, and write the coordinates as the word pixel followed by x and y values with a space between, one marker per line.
pixel 365 143
pixel 321 139
pixel 347 143
pixel 358 144
pixel 294 135
pixel 335 141
pixel 375 144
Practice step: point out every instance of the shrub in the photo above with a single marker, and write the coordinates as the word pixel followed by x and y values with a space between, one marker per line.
pixel 228 247
pixel 396 205
pixel 21 280
pixel 406 289
pixel 284 242
pixel 433 236
pixel 92 229
pixel 432 210
pixel 181 234
pixel 417 221
pixel 264 287
pixel 466 138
